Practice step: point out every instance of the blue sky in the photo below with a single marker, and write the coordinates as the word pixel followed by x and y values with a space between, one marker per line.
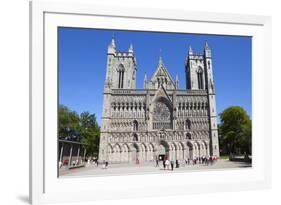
pixel 82 64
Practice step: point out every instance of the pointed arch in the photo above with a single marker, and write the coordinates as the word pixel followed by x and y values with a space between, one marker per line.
pixel 200 78
pixel 187 124
pixel 121 70
pixel 125 155
pixel 191 149
pixel 135 137
pixel 135 125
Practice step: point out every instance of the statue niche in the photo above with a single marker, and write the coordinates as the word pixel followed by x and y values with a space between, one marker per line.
pixel 162 115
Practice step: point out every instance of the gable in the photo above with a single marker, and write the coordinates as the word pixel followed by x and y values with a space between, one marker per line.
pixel 162 76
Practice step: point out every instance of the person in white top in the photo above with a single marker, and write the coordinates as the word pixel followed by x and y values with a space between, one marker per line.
pixel 167 163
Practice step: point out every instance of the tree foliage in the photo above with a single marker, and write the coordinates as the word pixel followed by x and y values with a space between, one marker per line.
pixel 235 131
pixel 90 132
pixel 83 128
pixel 68 123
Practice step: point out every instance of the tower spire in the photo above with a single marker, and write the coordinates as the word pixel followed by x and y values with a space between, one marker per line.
pixel 177 81
pixel 207 50
pixel 206 46
pixel 190 52
pixel 160 62
pixel 111 47
pixel 131 50
pixel 144 81
pixel 112 44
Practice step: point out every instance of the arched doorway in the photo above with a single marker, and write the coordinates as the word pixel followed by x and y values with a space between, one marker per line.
pixel 116 153
pixel 163 150
pixel 190 154
pixel 125 153
pixel 135 153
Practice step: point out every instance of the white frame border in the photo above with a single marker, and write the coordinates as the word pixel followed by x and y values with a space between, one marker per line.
pixel 37 102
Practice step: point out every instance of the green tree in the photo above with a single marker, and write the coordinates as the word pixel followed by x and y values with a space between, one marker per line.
pixel 235 131
pixel 90 133
pixel 83 128
pixel 68 122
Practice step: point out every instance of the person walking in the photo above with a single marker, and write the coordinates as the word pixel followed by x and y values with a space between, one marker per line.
pixel 177 163
pixel 167 164
pixel 164 164
pixel 172 165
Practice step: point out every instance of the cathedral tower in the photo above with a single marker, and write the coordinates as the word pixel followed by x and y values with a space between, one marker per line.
pixel 121 68
pixel 199 76
pixel 212 100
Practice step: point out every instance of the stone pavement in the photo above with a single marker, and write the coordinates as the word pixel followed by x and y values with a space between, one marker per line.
pixel 147 168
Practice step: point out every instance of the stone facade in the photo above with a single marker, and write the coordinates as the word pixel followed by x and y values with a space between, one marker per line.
pixel 139 125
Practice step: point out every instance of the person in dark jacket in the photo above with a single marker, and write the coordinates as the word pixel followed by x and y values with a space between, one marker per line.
pixel 172 165
pixel 177 164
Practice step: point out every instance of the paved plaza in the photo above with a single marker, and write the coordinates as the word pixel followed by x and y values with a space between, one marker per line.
pixel 146 168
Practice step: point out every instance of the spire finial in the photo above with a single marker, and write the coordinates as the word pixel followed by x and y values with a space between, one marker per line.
pixel 113 40
pixel 206 45
pixel 190 50
pixel 160 57
pixel 145 81
pixel 160 60
pixel 111 47
pixel 131 50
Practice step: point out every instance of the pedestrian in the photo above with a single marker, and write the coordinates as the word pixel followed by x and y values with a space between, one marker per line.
pixel 172 165
pixel 211 160
pixel 167 164
pixel 106 164
pixel 164 164
pixel 177 163
pixel 157 162
pixel 97 163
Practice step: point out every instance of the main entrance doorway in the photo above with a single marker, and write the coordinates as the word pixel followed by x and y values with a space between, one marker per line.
pixel 163 152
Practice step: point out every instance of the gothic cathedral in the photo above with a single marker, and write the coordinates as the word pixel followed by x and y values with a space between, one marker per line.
pixel 160 120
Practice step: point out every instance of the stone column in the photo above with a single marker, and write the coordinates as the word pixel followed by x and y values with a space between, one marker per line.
pixel 70 156
pixel 61 152
pixel 78 152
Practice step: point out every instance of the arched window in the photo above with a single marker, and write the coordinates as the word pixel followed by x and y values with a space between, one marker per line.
pixel 200 78
pixel 158 82
pixel 121 71
pixel 188 136
pixel 187 124
pixel 135 137
pixel 135 125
